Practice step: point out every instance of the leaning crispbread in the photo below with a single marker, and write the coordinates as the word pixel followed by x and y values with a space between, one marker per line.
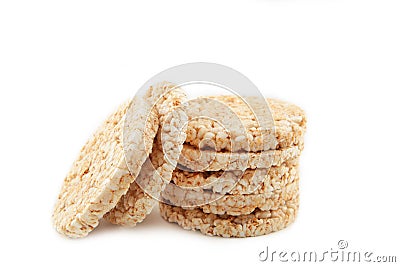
pixel 156 173
pixel 108 163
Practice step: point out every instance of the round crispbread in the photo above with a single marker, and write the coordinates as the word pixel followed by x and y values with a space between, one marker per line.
pixel 255 224
pixel 156 172
pixel 108 163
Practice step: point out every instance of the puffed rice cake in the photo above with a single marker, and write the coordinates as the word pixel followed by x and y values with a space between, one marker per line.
pixel 255 224
pixel 197 160
pixel 156 173
pixel 284 127
pixel 236 204
pixel 108 163
pixel 236 182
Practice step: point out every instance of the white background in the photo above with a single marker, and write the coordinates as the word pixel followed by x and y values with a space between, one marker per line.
pixel 65 65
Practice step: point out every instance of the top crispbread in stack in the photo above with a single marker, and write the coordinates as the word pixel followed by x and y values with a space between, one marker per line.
pixel 286 129
pixel 237 182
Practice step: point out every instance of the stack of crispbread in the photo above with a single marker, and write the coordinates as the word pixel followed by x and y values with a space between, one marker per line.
pixel 238 172
pixel 236 175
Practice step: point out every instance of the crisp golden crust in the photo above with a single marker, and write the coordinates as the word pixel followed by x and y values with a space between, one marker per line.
pixel 255 224
pixel 156 172
pixel 284 125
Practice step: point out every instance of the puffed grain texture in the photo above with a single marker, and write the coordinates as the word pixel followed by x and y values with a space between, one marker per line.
pixel 196 160
pixel 254 224
pixel 249 181
pixel 156 173
pixel 236 204
pixel 286 129
pixel 100 176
